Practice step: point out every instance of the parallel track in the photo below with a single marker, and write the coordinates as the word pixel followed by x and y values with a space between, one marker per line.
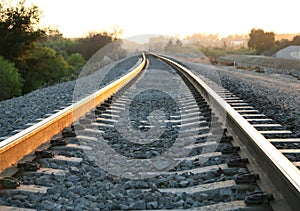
pixel 195 115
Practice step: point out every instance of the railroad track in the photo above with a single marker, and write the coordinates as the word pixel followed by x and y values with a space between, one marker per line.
pixel 146 142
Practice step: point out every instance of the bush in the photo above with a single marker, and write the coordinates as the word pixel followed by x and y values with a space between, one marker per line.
pixel 76 61
pixel 10 80
pixel 63 46
pixel 43 66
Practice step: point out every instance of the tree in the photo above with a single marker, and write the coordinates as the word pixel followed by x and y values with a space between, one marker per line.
pixel 260 40
pixel 42 66
pixel 296 40
pixel 89 45
pixel 178 43
pixel 10 80
pixel 169 46
pixel 205 40
pixel 63 46
pixel 76 61
pixel 18 29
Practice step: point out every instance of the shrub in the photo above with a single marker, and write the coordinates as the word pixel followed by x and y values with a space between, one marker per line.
pixel 43 66
pixel 76 61
pixel 10 80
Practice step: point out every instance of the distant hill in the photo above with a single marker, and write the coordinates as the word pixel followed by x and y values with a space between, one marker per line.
pixel 131 46
pixel 141 39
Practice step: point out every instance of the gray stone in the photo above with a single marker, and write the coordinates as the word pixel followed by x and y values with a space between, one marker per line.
pixel 53 165
pixel 242 170
pixel 123 207
pixel 73 178
pixel 148 154
pixel 55 197
pixel 173 184
pixel 69 208
pixel 135 194
pixel 80 207
pixel 44 163
pixel 51 190
pixel 59 177
pixel 57 206
pixel 109 204
pixel 17 203
pixel 43 180
pixel 141 185
pixel 20 197
pixel 74 169
pixel 82 202
pixel 91 198
pixel 155 153
pixel 189 201
pixel 152 205
pixel 179 178
pixel 163 181
pixel 180 203
pixel 169 205
pixel 129 184
pixel 161 165
pixel 225 192
pixel 47 205
pixel 68 184
pixel 184 183
pixel 138 205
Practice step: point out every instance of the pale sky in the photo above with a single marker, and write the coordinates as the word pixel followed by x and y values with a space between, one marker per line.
pixel 74 18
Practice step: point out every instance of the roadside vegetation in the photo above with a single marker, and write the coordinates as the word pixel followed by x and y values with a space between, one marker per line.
pixel 192 51
pixel 32 57
pixel 264 43
pixel 257 42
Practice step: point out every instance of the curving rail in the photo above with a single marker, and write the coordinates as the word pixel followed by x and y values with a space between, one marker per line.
pixel 15 147
pixel 280 171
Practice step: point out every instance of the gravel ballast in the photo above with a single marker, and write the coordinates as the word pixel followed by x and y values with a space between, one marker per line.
pixel 19 111
pixel 275 95
pixel 87 186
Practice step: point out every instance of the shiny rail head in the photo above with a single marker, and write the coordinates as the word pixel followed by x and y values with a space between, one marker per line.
pixel 14 148
pixel 257 140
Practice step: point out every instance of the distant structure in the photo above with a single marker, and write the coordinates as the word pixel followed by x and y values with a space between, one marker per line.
pixel 290 52
pixel 236 42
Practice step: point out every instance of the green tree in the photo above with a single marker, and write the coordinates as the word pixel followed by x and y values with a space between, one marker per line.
pixel 10 80
pixel 260 40
pixel 18 29
pixel 76 61
pixel 42 66
pixel 89 45
pixel 63 46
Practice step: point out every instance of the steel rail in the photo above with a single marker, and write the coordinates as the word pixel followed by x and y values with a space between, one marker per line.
pixel 281 172
pixel 17 146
